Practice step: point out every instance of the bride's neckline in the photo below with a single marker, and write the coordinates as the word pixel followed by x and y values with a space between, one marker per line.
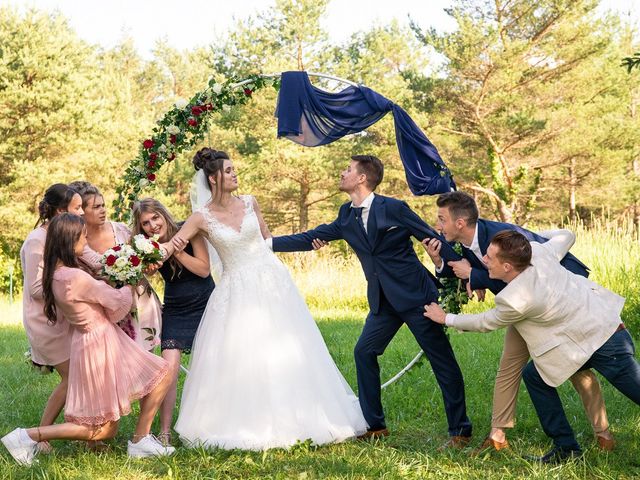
pixel 230 227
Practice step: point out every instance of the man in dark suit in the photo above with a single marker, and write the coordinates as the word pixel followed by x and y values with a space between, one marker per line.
pixel 459 222
pixel 379 230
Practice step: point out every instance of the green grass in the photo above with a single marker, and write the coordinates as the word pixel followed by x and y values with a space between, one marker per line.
pixel 335 290
pixel 414 413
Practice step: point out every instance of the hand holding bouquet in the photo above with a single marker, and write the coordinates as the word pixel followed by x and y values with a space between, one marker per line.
pixel 124 264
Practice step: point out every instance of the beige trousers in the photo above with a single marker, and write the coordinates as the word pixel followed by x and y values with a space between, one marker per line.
pixel 515 356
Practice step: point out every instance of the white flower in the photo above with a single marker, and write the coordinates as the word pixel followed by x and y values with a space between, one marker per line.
pixel 162 148
pixel 143 182
pixel 226 108
pixel 121 262
pixel 217 88
pixel 181 103
pixel 173 130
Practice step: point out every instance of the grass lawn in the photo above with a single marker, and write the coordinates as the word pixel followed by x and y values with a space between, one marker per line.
pixel 414 413
pixel 335 290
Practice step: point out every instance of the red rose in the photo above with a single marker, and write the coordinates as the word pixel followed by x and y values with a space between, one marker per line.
pixel 248 92
pixel 192 122
pixel 151 177
pixel 151 164
pixel 171 157
pixel 111 260
pixel 153 155
pixel 208 106
pixel 148 143
pixel 135 261
pixel 195 111
pixel 117 248
pixel 155 244
pixel 172 138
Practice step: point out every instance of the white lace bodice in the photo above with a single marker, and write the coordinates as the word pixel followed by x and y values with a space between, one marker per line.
pixel 244 248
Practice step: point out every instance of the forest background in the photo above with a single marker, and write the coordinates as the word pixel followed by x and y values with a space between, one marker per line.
pixel 526 101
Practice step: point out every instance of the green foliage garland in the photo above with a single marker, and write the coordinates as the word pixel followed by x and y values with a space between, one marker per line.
pixel 180 129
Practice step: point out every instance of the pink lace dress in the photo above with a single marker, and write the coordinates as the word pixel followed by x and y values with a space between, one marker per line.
pixel 107 370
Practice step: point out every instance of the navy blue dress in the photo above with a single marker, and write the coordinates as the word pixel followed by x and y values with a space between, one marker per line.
pixel 185 298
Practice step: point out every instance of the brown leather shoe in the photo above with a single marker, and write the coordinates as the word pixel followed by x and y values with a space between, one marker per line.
pixel 606 444
pixel 457 442
pixel 374 434
pixel 490 443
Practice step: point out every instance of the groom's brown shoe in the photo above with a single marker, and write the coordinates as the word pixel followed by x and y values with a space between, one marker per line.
pixel 455 442
pixel 374 434
pixel 491 444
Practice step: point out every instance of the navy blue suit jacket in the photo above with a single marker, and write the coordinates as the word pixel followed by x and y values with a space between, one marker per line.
pixel 487 229
pixel 389 261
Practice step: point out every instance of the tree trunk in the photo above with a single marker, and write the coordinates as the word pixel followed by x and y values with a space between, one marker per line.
pixel 303 208
pixel 572 189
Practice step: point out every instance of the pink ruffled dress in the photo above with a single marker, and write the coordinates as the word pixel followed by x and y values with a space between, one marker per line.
pixel 107 370
pixel 49 343
pixel 148 328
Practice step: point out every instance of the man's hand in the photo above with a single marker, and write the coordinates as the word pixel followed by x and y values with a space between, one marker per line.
pixel 461 268
pixel 433 246
pixel 152 268
pixel 317 244
pixel 480 294
pixel 435 313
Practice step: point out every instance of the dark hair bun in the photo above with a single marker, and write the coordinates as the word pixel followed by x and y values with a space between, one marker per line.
pixel 206 155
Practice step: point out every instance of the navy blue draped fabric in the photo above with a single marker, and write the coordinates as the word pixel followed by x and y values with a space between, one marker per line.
pixel 312 117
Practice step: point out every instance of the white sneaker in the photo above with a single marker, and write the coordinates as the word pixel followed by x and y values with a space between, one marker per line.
pixel 148 446
pixel 20 446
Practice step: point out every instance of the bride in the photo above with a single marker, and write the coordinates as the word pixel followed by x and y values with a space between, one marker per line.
pixel 260 374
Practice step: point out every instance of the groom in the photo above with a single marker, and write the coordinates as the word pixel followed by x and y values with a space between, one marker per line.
pixel 379 230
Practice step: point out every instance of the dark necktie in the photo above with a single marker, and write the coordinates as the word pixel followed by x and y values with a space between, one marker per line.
pixel 358 213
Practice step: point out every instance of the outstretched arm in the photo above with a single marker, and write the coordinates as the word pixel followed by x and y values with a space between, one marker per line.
pixel 194 225
pixel 304 241
pixel 560 242
pixel 422 230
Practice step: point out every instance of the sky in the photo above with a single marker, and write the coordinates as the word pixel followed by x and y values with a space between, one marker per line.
pixel 190 23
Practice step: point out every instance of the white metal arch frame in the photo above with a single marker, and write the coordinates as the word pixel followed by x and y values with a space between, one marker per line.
pixel 416 359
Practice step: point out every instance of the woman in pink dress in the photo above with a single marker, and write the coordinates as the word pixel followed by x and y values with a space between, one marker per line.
pixel 102 235
pixel 49 342
pixel 107 370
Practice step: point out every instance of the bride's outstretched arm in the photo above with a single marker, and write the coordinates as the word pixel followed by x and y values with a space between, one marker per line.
pixel 194 225
pixel 263 226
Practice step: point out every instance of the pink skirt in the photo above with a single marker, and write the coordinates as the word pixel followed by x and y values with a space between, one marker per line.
pixel 107 371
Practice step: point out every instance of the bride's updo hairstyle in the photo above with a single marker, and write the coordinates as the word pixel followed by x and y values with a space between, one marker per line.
pixel 211 162
pixel 57 197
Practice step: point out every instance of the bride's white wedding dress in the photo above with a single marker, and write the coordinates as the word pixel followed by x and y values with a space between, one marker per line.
pixel 260 374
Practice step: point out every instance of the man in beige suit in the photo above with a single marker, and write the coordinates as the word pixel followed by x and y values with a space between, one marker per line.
pixel 568 322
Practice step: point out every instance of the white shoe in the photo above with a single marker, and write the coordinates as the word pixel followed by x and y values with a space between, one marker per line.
pixel 20 446
pixel 148 446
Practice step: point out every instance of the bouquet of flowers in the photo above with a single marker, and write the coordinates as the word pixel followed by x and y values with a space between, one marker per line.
pixel 453 294
pixel 124 264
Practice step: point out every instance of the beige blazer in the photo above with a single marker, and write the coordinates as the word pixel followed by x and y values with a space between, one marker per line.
pixel 563 317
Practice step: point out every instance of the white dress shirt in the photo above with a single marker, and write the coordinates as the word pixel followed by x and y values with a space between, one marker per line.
pixel 366 208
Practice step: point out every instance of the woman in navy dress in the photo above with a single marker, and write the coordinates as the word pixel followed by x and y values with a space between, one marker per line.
pixel 188 286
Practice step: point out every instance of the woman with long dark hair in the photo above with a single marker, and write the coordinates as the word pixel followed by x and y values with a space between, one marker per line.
pixel 49 342
pixel 107 370
pixel 188 286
